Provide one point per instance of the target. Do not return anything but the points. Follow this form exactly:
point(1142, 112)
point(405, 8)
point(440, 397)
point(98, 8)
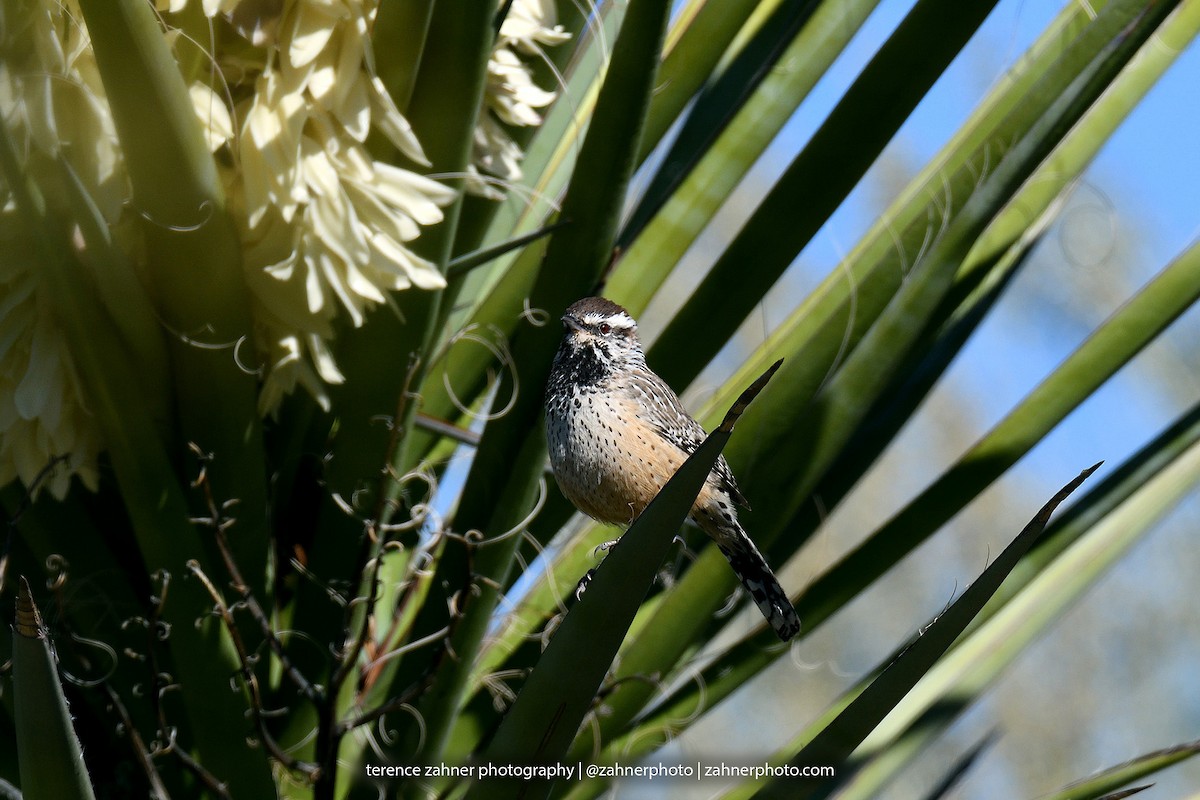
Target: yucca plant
point(281, 283)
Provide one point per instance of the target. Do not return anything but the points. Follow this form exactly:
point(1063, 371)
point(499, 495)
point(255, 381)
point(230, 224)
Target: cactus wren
point(617, 433)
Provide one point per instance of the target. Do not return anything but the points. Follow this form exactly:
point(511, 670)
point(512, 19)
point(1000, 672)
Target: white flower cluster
point(512, 98)
point(324, 226)
point(287, 105)
point(52, 101)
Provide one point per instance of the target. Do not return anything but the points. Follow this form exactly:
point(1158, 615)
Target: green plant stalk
point(551, 68)
point(400, 32)
point(548, 163)
point(157, 509)
point(551, 156)
point(446, 100)
point(123, 296)
point(50, 756)
point(385, 359)
point(447, 126)
point(443, 116)
point(193, 263)
point(491, 560)
point(376, 357)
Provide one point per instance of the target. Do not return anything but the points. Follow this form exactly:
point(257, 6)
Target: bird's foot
point(604, 547)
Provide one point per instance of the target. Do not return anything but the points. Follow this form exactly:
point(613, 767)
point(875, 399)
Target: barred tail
point(752, 570)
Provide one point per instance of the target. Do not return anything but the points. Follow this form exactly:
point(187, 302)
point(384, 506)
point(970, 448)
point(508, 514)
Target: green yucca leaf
point(834, 742)
point(715, 105)
point(697, 41)
point(51, 759)
point(977, 660)
point(835, 315)
point(1104, 784)
point(1011, 234)
point(1003, 636)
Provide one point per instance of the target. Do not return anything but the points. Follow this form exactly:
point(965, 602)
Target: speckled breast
point(605, 459)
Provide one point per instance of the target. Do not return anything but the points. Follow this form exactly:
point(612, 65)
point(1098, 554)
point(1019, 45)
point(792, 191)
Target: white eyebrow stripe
point(618, 320)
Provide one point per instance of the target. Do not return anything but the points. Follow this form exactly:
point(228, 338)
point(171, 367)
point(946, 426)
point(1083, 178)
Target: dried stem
point(250, 680)
point(219, 523)
point(157, 789)
point(329, 733)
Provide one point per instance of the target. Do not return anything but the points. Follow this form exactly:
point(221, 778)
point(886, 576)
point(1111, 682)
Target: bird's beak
point(569, 322)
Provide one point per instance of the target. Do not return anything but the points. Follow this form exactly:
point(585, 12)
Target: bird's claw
point(583, 583)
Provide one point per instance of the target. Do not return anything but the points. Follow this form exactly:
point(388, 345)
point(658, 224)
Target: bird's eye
point(605, 328)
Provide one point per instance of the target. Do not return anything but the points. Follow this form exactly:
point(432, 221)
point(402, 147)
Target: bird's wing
point(663, 411)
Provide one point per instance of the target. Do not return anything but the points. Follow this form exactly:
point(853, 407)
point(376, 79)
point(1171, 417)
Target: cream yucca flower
point(286, 109)
point(511, 97)
point(53, 105)
point(324, 225)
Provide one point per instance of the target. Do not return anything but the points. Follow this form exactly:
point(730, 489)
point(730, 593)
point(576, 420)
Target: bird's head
point(603, 327)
